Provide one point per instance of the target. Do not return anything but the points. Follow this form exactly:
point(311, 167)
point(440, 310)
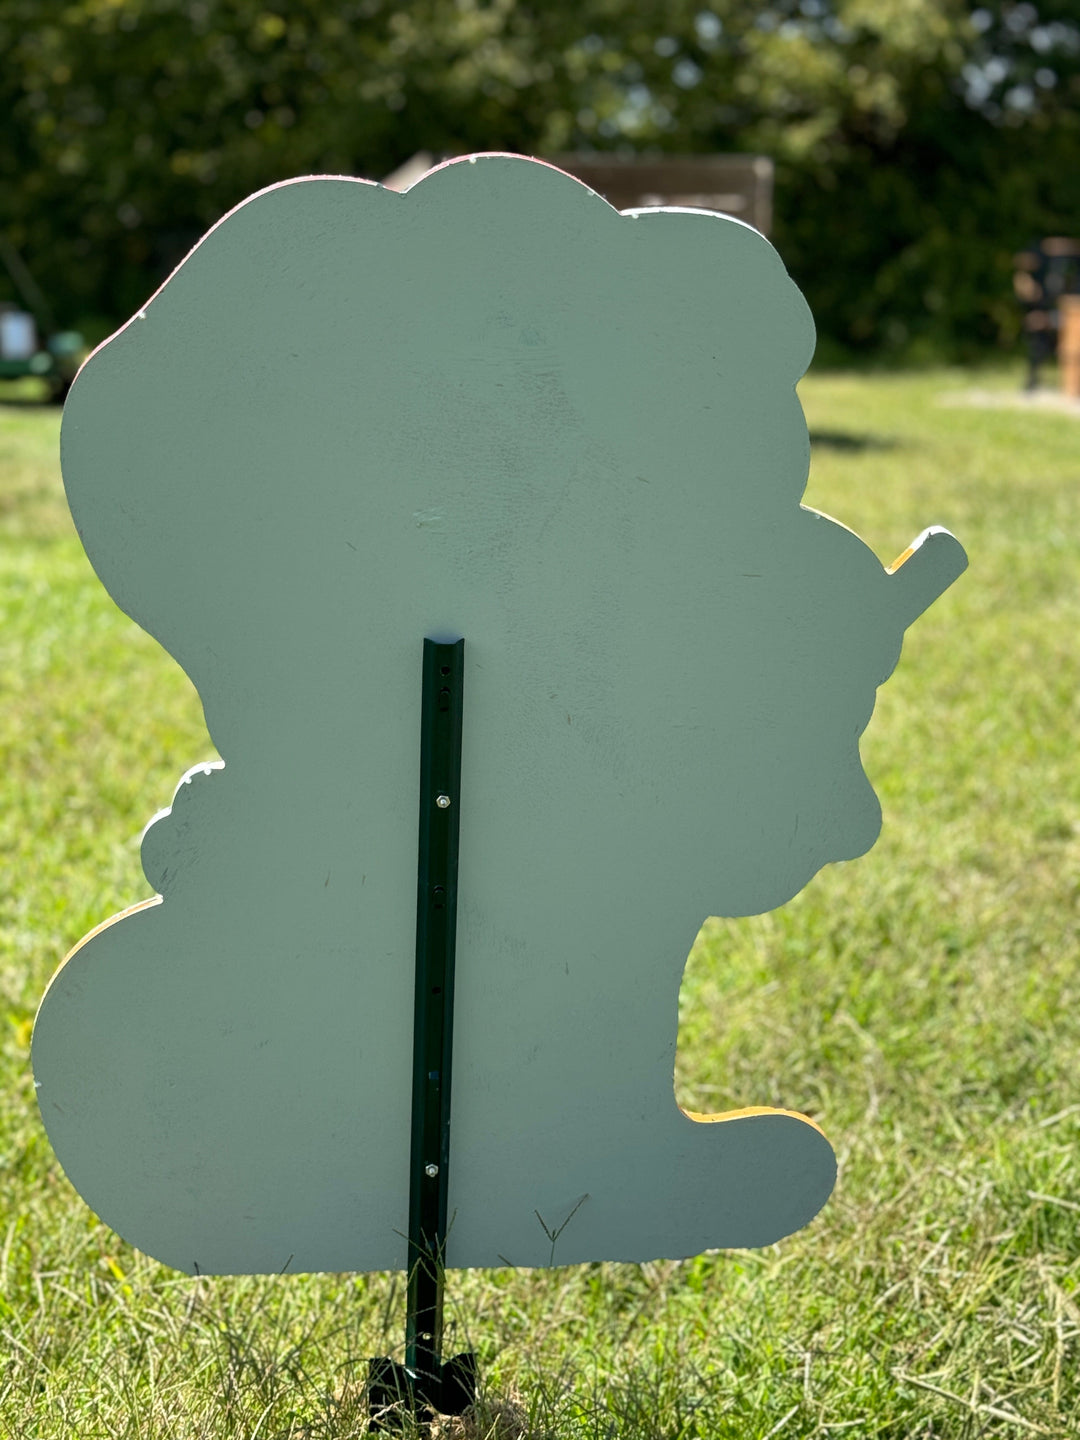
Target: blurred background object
point(739, 185)
point(414, 169)
point(916, 147)
point(1069, 345)
point(30, 343)
point(1046, 277)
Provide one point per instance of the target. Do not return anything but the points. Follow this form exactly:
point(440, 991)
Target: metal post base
point(394, 1391)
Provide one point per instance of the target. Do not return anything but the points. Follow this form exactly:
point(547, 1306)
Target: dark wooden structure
point(1046, 280)
point(738, 185)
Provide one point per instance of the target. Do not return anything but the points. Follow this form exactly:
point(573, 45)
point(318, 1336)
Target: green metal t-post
point(436, 919)
point(424, 1382)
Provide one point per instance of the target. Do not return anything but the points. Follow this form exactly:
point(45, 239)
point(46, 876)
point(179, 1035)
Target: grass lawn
point(923, 1003)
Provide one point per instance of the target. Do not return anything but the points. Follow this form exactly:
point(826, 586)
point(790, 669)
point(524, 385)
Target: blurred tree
point(918, 142)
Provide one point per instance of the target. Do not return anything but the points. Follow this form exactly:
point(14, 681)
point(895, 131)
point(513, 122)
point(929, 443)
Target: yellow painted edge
point(112, 920)
point(700, 1119)
point(900, 559)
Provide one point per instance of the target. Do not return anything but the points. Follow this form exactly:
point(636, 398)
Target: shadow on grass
point(844, 440)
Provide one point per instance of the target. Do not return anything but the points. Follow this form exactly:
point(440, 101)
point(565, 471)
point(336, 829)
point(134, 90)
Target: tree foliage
point(918, 142)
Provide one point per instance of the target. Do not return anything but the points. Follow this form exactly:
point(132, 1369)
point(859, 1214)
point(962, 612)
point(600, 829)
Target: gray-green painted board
point(490, 407)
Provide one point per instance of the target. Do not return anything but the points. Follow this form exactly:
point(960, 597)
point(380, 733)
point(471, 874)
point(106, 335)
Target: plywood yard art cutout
point(494, 408)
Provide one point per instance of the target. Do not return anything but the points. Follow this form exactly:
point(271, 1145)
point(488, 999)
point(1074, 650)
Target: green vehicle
point(30, 343)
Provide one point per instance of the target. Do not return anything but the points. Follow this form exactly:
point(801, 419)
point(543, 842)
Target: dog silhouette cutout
point(491, 407)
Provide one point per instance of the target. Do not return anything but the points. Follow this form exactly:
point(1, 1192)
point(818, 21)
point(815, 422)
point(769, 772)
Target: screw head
point(443, 802)
point(431, 1171)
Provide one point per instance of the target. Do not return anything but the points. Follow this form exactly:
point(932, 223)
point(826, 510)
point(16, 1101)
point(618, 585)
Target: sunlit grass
point(921, 1003)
